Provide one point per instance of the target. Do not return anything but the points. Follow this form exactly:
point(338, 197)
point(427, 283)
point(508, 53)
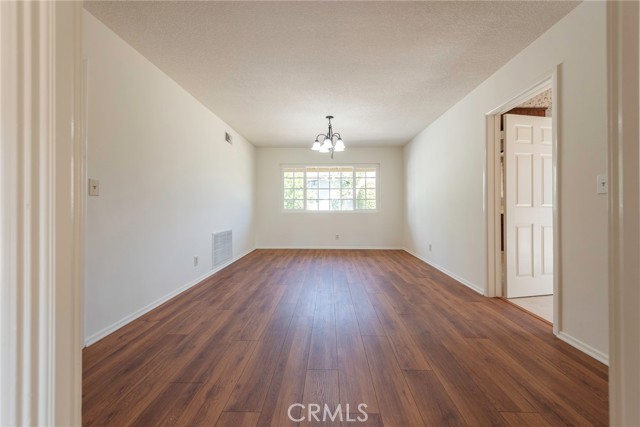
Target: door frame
point(623, 53)
point(41, 214)
point(492, 185)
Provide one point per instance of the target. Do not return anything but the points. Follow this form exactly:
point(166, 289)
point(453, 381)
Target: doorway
point(527, 227)
point(522, 202)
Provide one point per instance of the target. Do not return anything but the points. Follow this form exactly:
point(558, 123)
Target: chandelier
point(329, 143)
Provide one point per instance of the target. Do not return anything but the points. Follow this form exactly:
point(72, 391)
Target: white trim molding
point(352, 248)
point(40, 214)
point(465, 282)
point(133, 316)
point(624, 215)
point(585, 348)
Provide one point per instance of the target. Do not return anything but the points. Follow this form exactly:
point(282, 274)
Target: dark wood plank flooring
point(326, 327)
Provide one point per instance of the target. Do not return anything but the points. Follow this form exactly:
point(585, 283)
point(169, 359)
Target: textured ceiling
point(273, 70)
point(541, 100)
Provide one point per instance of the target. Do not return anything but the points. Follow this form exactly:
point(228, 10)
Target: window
point(294, 188)
point(330, 188)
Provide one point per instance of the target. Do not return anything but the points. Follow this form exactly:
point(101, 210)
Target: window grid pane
point(294, 188)
point(329, 188)
point(366, 188)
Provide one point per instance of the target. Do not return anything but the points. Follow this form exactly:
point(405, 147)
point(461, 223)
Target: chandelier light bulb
point(339, 145)
point(316, 146)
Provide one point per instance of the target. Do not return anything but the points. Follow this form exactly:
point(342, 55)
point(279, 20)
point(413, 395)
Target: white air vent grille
point(222, 247)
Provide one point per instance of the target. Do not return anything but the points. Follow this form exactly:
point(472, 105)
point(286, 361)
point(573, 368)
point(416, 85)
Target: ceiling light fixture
point(329, 143)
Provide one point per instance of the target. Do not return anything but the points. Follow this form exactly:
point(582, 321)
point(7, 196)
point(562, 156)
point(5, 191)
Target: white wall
point(277, 229)
point(445, 166)
point(168, 180)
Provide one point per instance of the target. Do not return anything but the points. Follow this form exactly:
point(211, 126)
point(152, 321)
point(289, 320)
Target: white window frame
point(286, 166)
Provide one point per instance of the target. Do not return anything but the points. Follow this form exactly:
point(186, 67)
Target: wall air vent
point(222, 247)
point(227, 137)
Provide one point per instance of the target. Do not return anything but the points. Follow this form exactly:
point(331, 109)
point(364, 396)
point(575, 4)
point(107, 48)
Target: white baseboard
point(465, 282)
point(585, 348)
point(574, 342)
point(378, 248)
point(133, 316)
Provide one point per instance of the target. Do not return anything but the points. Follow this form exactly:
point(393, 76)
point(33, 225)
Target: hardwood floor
point(324, 327)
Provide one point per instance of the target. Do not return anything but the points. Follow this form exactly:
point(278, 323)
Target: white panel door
point(528, 206)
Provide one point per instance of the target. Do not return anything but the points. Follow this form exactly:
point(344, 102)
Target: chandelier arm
point(332, 138)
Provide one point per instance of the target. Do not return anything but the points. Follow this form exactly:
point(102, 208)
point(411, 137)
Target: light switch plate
point(603, 184)
point(94, 187)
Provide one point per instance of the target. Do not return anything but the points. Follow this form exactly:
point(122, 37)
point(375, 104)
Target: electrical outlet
point(337, 237)
point(195, 261)
point(429, 247)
